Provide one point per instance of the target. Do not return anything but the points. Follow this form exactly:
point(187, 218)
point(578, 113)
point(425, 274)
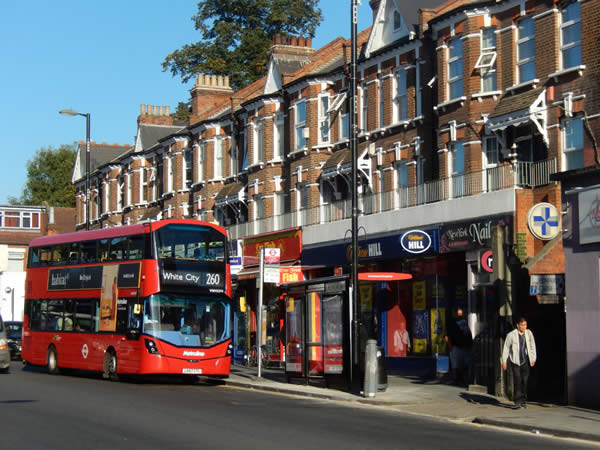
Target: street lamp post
point(355, 351)
point(70, 112)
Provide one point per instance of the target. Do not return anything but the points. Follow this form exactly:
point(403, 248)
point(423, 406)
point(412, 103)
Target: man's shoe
point(516, 406)
point(524, 405)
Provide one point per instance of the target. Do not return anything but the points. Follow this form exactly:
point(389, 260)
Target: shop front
point(289, 242)
point(407, 318)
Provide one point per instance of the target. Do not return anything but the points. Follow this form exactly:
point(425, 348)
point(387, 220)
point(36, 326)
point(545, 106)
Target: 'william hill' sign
point(415, 241)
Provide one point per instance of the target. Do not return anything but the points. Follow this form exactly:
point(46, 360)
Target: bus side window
point(136, 247)
point(68, 323)
point(103, 250)
point(45, 255)
point(83, 316)
point(88, 252)
point(35, 314)
point(60, 254)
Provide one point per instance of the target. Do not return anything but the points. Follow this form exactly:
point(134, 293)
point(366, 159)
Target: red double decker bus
point(150, 298)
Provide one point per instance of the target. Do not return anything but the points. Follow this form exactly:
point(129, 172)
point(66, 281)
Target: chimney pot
point(160, 110)
point(142, 109)
point(167, 111)
point(309, 42)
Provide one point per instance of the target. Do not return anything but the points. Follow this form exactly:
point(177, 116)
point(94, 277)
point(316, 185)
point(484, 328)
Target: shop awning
point(515, 110)
point(340, 163)
point(230, 193)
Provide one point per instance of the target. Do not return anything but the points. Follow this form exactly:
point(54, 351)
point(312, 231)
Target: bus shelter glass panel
point(314, 343)
point(294, 335)
point(333, 345)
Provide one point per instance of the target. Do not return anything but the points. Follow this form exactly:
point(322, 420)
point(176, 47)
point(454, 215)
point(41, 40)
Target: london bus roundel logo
point(84, 351)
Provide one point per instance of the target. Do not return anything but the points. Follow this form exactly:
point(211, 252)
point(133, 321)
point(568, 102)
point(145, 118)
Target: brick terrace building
point(462, 119)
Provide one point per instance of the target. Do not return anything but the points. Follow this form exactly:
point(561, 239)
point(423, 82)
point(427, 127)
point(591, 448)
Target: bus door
point(128, 329)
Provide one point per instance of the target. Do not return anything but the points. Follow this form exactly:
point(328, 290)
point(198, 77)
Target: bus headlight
point(3, 344)
point(229, 350)
point(151, 346)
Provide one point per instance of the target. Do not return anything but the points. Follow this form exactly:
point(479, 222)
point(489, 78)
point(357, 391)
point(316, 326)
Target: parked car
point(4, 352)
point(13, 335)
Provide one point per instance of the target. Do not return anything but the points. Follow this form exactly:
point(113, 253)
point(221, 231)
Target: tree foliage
point(49, 178)
point(236, 34)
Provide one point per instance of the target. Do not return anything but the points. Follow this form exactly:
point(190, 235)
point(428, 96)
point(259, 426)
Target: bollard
point(370, 386)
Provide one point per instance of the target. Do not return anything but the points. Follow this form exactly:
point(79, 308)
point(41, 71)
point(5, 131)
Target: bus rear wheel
point(110, 366)
point(52, 361)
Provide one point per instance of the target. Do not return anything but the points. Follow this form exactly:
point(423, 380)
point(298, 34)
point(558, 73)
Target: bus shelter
point(317, 329)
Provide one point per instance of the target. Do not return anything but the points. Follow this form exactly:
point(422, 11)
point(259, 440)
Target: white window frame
point(564, 25)
point(382, 99)
point(188, 168)
point(521, 40)
point(257, 141)
point(324, 120)
point(170, 177)
point(218, 157)
point(400, 94)
point(457, 178)
point(344, 118)
point(299, 139)
point(571, 150)
point(489, 150)
point(201, 159)
point(454, 59)
point(279, 137)
point(144, 179)
point(486, 63)
point(233, 156)
point(364, 108)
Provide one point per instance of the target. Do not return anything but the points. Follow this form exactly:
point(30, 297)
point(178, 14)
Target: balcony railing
point(520, 174)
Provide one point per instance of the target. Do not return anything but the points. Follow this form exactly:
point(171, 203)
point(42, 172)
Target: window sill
point(556, 75)
point(299, 151)
point(528, 84)
point(480, 95)
point(448, 103)
point(258, 165)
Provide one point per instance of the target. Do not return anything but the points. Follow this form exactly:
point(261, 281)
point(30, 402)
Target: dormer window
point(397, 21)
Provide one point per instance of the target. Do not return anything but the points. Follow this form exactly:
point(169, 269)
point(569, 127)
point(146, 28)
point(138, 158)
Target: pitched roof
point(149, 134)
point(513, 103)
point(339, 158)
point(100, 154)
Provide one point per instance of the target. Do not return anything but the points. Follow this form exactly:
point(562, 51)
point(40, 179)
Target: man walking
point(460, 341)
point(519, 347)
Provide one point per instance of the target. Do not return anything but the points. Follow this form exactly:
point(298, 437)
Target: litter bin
point(382, 378)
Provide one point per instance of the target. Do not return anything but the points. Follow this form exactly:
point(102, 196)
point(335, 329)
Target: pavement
point(436, 398)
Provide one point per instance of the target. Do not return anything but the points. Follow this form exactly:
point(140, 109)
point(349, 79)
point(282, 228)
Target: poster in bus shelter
point(420, 331)
point(419, 296)
point(366, 298)
point(438, 330)
point(108, 298)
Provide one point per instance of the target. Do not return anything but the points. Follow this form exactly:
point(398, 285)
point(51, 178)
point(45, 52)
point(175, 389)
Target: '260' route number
point(213, 279)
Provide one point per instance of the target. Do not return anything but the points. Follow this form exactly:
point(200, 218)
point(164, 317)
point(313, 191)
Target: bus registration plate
point(192, 371)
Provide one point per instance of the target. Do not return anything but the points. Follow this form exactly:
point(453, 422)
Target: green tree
point(49, 178)
point(236, 34)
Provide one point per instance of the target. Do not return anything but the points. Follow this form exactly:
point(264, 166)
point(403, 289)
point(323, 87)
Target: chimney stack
point(209, 91)
point(156, 115)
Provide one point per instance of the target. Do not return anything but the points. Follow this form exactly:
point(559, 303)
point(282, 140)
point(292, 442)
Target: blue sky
point(98, 57)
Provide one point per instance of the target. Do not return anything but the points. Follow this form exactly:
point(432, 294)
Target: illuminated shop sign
point(415, 241)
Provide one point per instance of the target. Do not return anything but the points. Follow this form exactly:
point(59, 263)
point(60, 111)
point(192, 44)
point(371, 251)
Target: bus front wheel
point(110, 366)
point(52, 361)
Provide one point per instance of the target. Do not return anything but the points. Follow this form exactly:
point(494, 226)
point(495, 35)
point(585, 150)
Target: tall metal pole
point(353, 143)
point(87, 171)
point(259, 313)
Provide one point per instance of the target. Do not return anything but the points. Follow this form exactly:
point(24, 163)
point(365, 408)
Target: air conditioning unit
point(305, 132)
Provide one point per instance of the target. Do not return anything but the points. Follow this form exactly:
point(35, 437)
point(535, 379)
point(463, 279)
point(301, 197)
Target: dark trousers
point(520, 378)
